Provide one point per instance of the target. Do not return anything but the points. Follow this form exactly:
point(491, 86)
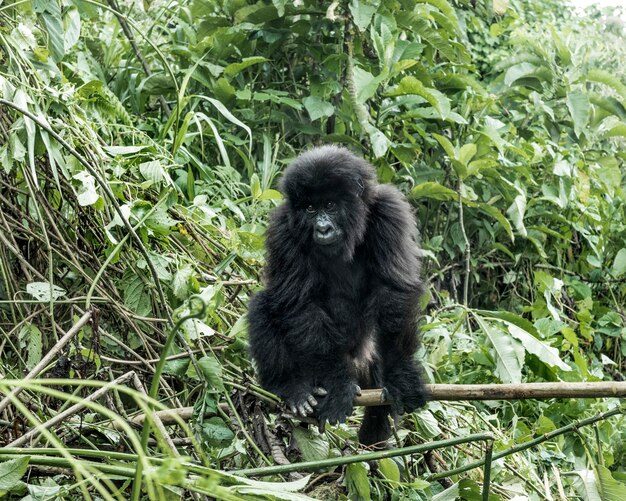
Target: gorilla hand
point(301, 401)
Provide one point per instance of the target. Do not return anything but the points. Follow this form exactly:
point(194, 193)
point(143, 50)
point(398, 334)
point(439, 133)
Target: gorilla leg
point(403, 386)
point(401, 378)
point(376, 428)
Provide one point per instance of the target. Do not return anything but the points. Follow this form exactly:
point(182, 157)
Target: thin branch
point(468, 252)
point(47, 358)
point(531, 443)
point(107, 191)
point(62, 416)
point(137, 51)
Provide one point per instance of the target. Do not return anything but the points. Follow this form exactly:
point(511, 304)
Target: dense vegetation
point(140, 145)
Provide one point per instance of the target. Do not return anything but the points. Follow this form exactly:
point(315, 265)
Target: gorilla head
point(329, 192)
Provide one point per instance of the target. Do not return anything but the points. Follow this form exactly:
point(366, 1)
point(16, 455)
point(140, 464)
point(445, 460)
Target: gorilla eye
point(310, 209)
point(330, 205)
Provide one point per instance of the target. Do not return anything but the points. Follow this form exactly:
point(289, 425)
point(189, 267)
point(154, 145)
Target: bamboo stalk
point(523, 391)
point(456, 392)
point(360, 458)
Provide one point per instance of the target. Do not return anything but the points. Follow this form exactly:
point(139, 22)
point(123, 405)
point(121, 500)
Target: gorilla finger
point(293, 409)
point(322, 426)
point(307, 408)
point(357, 389)
point(312, 400)
point(319, 392)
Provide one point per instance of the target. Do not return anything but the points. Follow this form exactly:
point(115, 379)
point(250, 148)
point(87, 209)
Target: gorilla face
point(329, 191)
point(324, 223)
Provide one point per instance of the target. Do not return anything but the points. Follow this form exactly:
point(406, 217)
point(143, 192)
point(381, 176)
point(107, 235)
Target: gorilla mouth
point(327, 238)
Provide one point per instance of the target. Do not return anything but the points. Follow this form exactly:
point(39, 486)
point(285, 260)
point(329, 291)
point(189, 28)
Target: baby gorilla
point(340, 305)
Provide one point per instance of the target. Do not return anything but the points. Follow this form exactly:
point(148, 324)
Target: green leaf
point(619, 264)
point(516, 212)
point(137, 297)
point(466, 153)
point(610, 489)
point(216, 433)
point(271, 195)
point(161, 265)
point(512, 318)
point(410, 85)
point(71, 25)
point(53, 22)
point(234, 68)
point(160, 221)
point(157, 84)
point(434, 191)
point(617, 130)
point(579, 109)
point(427, 424)
point(450, 494)
point(274, 490)
point(389, 469)
point(362, 12)
point(311, 444)
point(212, 371)
point(562, 48)
point(509, 352)
point(606, 78)
point(380, 143)
point(357, 482)
point(318, 108)
point(498, 216)
point(447, 10)
point(543, 351)
point(86, 192)
point(446, 145)
point(12, 471)
point(229, 116)
point(152, 171)
point(255, 186)
point(31, 336)
point(586, 486)
point(365, 84)
point(124, 150)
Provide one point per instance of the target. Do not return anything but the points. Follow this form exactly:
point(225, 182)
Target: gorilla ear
point(360, 185)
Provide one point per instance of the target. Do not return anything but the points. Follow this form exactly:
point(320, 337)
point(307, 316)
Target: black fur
point(325, 307)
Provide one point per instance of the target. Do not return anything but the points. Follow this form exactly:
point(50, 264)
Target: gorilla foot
point(403, 401)
point(338, 405)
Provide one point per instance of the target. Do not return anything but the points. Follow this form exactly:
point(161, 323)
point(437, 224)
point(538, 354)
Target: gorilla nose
point(323, 228)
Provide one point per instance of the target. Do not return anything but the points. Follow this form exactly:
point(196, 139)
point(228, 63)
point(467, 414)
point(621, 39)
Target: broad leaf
point(544, 352)
point(509, 352)
point(579, 109)
point(12, 471)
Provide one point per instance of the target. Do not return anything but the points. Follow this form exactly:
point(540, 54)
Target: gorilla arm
point(298, 357)
point(391, 244)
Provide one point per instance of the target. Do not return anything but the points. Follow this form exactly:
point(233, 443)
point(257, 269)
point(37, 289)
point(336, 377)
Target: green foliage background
point(504, 124)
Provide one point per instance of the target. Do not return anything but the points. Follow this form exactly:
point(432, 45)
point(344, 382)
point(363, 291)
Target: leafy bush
point(139, 149)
